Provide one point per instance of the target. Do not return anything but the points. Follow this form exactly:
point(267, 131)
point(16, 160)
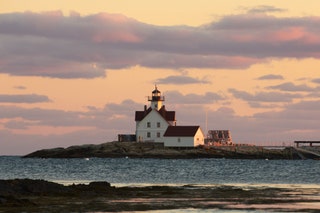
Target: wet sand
point(102, 197)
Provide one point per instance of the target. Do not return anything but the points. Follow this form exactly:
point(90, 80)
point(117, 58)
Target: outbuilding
point(183, 136)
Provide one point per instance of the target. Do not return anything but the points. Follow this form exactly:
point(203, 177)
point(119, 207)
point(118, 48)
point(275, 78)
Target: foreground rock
point(25, 195)
point(156, 150)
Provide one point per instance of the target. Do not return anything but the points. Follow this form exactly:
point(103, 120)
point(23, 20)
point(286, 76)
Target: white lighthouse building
point(156, 124)
point(152, 122)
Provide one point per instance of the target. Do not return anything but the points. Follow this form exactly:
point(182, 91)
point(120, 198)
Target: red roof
point(181, 131)
point(167, 115)
point(141, 114)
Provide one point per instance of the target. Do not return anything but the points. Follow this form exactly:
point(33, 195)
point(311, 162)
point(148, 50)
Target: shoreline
point(157, 150)
point(209, 185)
point(39, 196)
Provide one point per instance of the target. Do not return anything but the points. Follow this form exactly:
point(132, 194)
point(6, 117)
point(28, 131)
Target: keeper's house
point(156, 124)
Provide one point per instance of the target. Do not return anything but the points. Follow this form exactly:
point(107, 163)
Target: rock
point(26, 196)
point(19, 187)
point(27, 186)
point(157, 150)
point(93, 188)
point(11, 201)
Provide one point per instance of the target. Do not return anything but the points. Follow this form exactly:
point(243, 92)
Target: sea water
point(141, 172)
point(129, 171)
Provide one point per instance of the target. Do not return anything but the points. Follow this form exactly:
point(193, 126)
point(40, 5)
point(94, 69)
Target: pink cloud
point(289, 34)
point(112, 18)
point(294, 34)
point(238, 61)
point(115, 37)
point(53, 45)
point(113, 28)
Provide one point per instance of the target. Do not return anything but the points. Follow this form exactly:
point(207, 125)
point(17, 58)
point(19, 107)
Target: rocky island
point(157, 150)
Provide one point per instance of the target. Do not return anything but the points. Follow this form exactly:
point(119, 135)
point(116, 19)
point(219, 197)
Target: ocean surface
point(137, 172)
point(176, 172)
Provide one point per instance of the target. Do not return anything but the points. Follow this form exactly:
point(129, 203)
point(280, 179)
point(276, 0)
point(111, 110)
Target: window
point(158, 134)
point(158, 124)
point(148, 124)
point(148, 134)
point(179, 140)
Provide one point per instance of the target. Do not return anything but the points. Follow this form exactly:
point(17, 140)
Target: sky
point(74, 72)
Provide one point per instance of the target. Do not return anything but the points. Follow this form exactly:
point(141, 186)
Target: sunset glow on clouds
point(78, 78)
point(51, 44)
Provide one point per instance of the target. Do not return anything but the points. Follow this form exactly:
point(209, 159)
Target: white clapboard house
point(156, 124)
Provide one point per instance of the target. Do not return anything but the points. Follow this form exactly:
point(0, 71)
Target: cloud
point(264, 96)
point(53, 45)
point(299, 120)
point(265, 105)
point(20, 87)
point(29, 98)
point(27, 143)
point(317, 80)
point(275, 37)
point(176, 97)
point(264, 9)
point(179, 79)
point(35, 128)
point(38, 116)
point(13, 124)
point(296, 121)
point(270, 77)
point(310, 106)
point(111, 116)
point(290, 87)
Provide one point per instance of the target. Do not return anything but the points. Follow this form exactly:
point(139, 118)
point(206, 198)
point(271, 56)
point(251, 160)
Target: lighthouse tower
point(156, 99)
point(152, 122)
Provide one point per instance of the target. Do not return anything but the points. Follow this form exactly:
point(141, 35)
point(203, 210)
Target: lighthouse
point(156, 124)
point(156, 99)
point(152, 122)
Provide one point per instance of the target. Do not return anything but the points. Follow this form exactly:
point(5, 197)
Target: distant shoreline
point(155, 150)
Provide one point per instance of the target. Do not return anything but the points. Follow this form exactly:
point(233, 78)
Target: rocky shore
point(157, 150)
point(26, 195)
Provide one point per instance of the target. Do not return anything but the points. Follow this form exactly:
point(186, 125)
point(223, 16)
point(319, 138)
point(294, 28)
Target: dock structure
point(306, 142)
